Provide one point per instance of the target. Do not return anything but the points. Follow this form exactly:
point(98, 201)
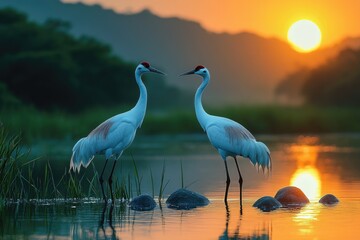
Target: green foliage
point(291, 85)
point(47, 67)
point(24, 179)
point(337, 82)
point(10, 174)
point(295, 119)
point(36, 125)
point(33, 180)
point(7, 100)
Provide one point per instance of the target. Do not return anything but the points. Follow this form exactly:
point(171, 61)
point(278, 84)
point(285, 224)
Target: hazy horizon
point(336, 19)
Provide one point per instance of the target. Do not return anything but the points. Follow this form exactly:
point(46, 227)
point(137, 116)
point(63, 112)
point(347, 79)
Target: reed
point(271, 119)
point(10, 166)
point(25, 179)
point(162, 185)
point(182, 174)
point(138, 179)
point(152, 183)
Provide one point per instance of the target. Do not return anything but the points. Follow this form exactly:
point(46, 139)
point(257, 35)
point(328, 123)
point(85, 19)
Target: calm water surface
point(316, 164)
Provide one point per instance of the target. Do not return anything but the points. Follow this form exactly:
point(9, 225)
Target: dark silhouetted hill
point(245, 67)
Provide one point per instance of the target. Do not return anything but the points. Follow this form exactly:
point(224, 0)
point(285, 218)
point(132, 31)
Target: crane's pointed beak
point(187, 73)
point(154, 70)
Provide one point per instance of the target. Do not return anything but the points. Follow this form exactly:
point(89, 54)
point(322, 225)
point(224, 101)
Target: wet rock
point(142, 203)
point(186, 199)
point(291, 197)
point(329, 199)
point(267, 204)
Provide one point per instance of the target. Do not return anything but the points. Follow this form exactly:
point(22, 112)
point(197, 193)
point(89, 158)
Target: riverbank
point(34, 124)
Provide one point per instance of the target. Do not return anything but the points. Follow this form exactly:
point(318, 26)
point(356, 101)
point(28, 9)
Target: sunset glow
point(308, 180)
point(336, 19)
point(304, 35)
point(307, 176)
point(138, 119)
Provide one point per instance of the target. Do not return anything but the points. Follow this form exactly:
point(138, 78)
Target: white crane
point(114, 135)
point(230, 138)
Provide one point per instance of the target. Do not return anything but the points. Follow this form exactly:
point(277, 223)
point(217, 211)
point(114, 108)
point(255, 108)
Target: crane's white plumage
point(114, 135)
point(227, 136)
point(110, 138)
point(230, 138)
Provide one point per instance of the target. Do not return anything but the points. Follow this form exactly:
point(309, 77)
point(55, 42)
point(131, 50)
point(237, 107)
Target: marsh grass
point(122, 190)
point(31, 180)
point(182, 179)
point(138, 179)
point(152, 183)
point(11, 174)
point(270, 119)
point(182, 174)
point(163, 184)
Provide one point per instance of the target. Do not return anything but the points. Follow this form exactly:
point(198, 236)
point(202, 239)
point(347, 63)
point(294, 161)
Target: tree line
point(43, 65)
point(334, 83)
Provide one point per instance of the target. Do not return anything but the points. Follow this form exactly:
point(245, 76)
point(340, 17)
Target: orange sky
point(336, 18)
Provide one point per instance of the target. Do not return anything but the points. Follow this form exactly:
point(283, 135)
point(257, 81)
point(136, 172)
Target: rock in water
point(328, 199)
point(142, 203)
point(291, 197)
point(186, 199)
point(267, 204)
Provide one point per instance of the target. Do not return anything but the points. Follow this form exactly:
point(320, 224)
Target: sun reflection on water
point(308, 180)
point(307, 176)
point(306, 218)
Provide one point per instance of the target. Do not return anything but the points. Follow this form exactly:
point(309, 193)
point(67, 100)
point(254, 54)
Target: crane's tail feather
point(81, 156)
point(258, 153)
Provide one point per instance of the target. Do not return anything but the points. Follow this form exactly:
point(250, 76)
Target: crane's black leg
point(240, 183)
point(102, 220)
point(110, 220)
point(227, 182)
point(111, 181)
point(101, 180)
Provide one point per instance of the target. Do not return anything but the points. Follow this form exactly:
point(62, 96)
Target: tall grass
point(137, 177)
point(152, 183)
point(27, 179)
point(182, 174)
point(11, 174)
point(259, 119)
point(162, 183)
point(294, 119)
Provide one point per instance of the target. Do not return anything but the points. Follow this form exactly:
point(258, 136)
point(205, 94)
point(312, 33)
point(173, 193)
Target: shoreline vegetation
point(34, 124)
point(31, 180)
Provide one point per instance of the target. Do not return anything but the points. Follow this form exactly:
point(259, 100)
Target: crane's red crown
point(145, 64)
point(199, 67)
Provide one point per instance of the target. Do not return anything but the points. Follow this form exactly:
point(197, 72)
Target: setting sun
point(304, 35)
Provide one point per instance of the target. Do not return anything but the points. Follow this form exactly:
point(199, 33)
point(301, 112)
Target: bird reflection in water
point(103, 228)
point(263, 234)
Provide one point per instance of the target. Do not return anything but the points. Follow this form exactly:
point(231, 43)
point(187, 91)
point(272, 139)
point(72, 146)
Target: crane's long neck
point(140, 108)
point(199, 109)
